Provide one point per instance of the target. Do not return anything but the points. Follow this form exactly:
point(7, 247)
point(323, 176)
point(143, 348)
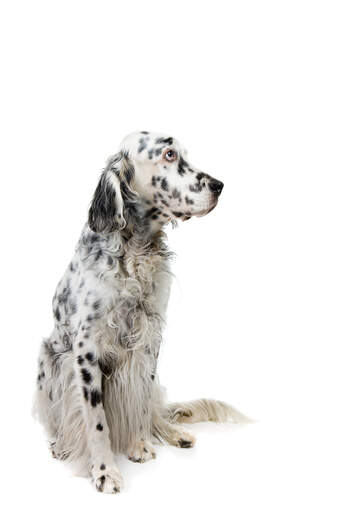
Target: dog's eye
point(170, 155)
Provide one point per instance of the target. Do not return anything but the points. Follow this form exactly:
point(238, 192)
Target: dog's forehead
point(138, 143)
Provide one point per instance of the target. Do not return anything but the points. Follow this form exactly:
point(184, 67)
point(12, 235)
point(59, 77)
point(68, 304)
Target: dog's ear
point(106, 212)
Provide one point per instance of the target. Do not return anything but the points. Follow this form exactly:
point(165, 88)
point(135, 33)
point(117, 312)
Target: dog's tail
point(204, 410)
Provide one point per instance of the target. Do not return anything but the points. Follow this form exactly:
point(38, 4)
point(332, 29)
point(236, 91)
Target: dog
point(98, 393)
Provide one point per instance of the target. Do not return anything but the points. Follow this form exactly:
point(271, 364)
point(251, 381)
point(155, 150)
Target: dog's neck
point(144, 223)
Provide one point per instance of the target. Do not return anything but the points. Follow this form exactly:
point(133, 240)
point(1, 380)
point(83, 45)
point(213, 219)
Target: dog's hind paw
point(141, 451)
point(183, 439)
point(56, 454)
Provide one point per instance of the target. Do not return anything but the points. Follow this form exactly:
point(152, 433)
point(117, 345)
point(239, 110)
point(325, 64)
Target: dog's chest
point(145, 290)
point(148, 279)
point(139, 302)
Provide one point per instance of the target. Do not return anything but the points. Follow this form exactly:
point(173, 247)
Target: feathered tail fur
point(204, 410)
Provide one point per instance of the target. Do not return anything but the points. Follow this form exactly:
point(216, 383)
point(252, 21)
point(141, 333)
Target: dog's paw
point(53, 450)
point(56, 454)
point(180, 415)
point(183, 439)
point(108, 480)
point(141, 451)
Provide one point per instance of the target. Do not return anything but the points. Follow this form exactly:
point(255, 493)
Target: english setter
point(97, 390)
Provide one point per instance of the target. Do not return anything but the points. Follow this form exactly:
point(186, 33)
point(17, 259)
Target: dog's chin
point(202, 213)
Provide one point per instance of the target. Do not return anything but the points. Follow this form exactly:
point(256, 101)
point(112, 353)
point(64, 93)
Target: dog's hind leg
point(163, 430)
point(48, 391)
point(204, 410)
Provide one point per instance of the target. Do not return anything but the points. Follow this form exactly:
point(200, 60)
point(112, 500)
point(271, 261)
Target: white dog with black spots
point(97, 389)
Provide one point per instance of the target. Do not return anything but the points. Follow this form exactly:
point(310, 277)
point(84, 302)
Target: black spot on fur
point(177, 214)
point(164, 184)
point(80, 360)
point(73, 307)
point(94, 238)
point(64, 296)
point(98, 255)
point(150, 154)
point(85, 393)
point(145, 133)
point(110, 260)
point(96, 304)
point(57, 314)
point(181, 166)
point(99, 427)
point(80, 344)
point(90, 357)
point(163, 140)
point(151, 211)
point(96, 397)
point(143, 144)
point(188, 200)
point(86, 375)
point(102, 467)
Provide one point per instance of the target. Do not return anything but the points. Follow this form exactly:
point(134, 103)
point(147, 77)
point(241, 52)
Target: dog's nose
point(216, 186)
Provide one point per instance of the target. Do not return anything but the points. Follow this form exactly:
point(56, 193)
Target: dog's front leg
point(140, 447)
point(103, 468)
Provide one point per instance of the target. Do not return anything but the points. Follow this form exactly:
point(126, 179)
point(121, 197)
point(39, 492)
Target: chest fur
point(138, 305)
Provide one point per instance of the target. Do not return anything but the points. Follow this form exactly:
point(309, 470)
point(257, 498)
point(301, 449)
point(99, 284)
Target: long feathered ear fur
point(106, 212)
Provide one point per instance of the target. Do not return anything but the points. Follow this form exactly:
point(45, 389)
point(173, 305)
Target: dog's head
point(151, 178)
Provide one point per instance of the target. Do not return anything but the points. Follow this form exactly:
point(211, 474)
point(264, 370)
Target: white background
point(252, 88)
